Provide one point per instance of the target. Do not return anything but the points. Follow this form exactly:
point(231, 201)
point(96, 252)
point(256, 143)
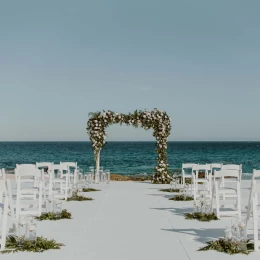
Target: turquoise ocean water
point(132, 157)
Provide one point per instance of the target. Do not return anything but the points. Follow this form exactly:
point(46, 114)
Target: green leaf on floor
point(229, 246)
point(181, 197)
point(89, 189)
point(201, 216)
point(170, 190)
point(51, 216)
point(78, 198)
point(14, 244)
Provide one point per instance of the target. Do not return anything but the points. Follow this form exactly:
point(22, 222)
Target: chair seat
point(227, 190)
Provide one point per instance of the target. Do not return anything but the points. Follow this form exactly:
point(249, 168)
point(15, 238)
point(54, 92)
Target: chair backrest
point(231, 167)
point(215, 166)
point(72, 165)
point(256, 174)
point(201, 167)
point(187, 166)
point(61, 168)
point(43, 164)
point(28, 173)
point(227, 173)
point(33, 177)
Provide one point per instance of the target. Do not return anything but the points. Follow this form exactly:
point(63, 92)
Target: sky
point(197, 60)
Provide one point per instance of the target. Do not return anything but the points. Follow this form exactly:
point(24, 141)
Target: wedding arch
point(158, 120)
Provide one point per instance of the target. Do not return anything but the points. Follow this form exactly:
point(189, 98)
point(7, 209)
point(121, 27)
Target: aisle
point(127, 226)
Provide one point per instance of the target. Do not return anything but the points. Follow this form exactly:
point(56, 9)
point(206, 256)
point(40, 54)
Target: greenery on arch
point(158, 120)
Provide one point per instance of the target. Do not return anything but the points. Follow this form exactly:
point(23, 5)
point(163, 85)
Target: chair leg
point(238, 200)
point(217, 202)
point(255, 222)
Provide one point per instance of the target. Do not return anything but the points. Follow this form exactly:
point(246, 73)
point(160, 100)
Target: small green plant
point(89, 189)
point(41, 244)
point(51, 216)
point(228, 246)
point(76, 197)
point(181, 197)
point(170, 190)
point(201, 216)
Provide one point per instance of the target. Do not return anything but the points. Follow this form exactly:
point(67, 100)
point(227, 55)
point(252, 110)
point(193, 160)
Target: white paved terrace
point(131, 221)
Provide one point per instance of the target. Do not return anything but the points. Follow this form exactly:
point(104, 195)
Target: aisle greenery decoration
point(158, 120)
point(89, 189)
point(182, 197)
point(228, 246)
point(204, 217)
point(13, 245)
point(170, 190)
point(76, 197)
point(51, 216)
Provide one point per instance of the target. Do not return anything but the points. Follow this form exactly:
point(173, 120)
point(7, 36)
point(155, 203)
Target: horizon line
point(69, 141)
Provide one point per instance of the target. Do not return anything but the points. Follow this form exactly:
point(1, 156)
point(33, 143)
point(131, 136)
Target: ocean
point(129, 158)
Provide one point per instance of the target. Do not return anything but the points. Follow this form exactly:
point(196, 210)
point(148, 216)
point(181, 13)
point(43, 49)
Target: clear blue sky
point(197, 60)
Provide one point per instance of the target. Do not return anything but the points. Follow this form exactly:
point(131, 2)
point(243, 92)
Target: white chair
point(3, 213)
point(74, 176)
point(227, 191)
point(29, 168)
point(2, 174)
point(201, 184)
point(253, 208)
point(60, 186)
point(29, 181)
point(47, 182)
point(185, 167)
point(233, 167)
point(215, 166)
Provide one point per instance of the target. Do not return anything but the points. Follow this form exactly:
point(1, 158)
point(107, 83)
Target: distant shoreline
point(130, 141)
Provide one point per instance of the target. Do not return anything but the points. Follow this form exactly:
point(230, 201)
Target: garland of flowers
point(158, 120)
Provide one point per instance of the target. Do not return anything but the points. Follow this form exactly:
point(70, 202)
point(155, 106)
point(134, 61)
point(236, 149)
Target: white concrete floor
point(131, 221)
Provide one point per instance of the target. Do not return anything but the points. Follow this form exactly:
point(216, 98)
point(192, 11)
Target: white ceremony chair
point(184, 168)
point(205, 183)
point(232, 167)
point(74, 176)
point(47, 181)
point(227, 192)
point(2, 174)
point(29, 190)
point(3, 214)
point(253, 208)
point(60, 184)
point(215, 167)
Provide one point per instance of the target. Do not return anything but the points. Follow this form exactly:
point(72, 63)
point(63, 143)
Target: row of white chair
point(33, 186)
point(253, 209)
point(220, 182)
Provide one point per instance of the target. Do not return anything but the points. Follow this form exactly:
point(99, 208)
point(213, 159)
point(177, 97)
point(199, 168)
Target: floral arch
point(158, 120)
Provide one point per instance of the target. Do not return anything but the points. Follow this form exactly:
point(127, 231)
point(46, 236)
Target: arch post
point(97, 176)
